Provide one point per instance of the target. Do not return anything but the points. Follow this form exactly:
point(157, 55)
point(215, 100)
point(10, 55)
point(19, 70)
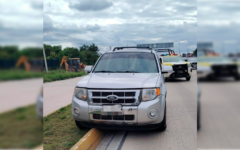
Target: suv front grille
point(124, 97)
point(108, 117)
point(119, 94)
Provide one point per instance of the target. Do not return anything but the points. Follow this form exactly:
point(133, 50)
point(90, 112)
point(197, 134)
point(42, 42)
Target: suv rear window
point(127, 62)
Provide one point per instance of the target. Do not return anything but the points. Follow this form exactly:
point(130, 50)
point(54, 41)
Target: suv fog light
point(152, 113)
point(76, 111)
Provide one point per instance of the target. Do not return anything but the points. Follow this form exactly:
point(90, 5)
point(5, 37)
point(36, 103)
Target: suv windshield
point(172, 59)
point(127, 62)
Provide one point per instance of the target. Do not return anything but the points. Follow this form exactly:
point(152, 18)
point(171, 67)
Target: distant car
point(88, 69)
point(175, 67)
point(192, 61)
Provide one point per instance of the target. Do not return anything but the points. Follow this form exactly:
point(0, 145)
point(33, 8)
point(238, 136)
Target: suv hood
point(119, 80)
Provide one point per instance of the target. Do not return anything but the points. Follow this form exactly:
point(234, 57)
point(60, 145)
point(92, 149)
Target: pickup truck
point(125, 90)
point(175, 67)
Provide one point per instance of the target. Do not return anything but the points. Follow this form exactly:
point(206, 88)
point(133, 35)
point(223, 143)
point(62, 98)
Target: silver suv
point(124, 90)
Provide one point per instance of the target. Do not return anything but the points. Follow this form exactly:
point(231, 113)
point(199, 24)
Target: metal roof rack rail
point(166, 50)
point(120, 48)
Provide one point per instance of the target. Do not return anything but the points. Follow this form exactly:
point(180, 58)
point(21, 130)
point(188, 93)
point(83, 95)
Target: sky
point(21, 23)
point(218, 22)
point(72, 23)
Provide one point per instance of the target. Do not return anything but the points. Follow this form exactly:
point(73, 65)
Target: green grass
point(20, 128)
point(17, 74)
point(54, 75)
point(60, 131)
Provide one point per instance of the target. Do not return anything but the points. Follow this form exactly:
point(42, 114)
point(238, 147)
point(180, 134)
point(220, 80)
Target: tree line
point(195, 52)
point(14, 52)
point(88, 54)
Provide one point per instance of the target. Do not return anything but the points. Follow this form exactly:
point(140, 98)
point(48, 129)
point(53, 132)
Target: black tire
point(188, 78)
point(166, 79)
point(78, 124)
point(163, 124)
point(237, 77)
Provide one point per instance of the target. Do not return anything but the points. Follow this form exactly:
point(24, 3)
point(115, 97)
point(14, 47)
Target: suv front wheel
point(163, 124)
point(78, 124)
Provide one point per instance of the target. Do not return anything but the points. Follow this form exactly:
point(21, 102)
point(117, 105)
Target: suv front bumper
point(140, 112)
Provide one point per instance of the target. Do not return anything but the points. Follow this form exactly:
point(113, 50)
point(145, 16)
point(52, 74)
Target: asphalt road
point(220, 121)
point(58, 94)
point(19, 93)
point(181, 132)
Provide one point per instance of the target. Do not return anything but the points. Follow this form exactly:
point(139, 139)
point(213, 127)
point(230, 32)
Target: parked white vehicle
point(88, 69)
point(125, 90)
point(175, 67)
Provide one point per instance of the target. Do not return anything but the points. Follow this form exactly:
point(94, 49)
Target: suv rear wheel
point(188, 78)
point(237, 77)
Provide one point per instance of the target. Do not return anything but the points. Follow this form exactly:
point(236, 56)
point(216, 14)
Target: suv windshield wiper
point(129, 71)
point(105, 71)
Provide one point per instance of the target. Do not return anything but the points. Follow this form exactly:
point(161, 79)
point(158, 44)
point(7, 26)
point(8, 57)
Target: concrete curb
point(52, 112)
point(90, 140)
point(55, 111)
point(40, 147)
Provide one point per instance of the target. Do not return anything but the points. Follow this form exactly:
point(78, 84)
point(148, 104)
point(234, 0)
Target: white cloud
point(120, 23)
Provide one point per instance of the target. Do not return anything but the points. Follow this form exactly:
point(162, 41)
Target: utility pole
point(44, 56)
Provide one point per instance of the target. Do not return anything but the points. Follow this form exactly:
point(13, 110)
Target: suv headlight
point(80, 93)
point(150, 94)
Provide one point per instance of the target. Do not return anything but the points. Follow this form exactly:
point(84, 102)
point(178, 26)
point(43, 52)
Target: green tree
point(195, 52)
point(52, 55)
point(71, 52)
point(49, 49)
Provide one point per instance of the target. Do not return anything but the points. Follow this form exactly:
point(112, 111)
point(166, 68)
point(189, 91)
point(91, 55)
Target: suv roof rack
point(120, 48)
point(166, 50)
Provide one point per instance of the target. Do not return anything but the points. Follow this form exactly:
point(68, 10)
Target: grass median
point(60, 131)
point(17, 74)
point(54, 75)
point(20, 128)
